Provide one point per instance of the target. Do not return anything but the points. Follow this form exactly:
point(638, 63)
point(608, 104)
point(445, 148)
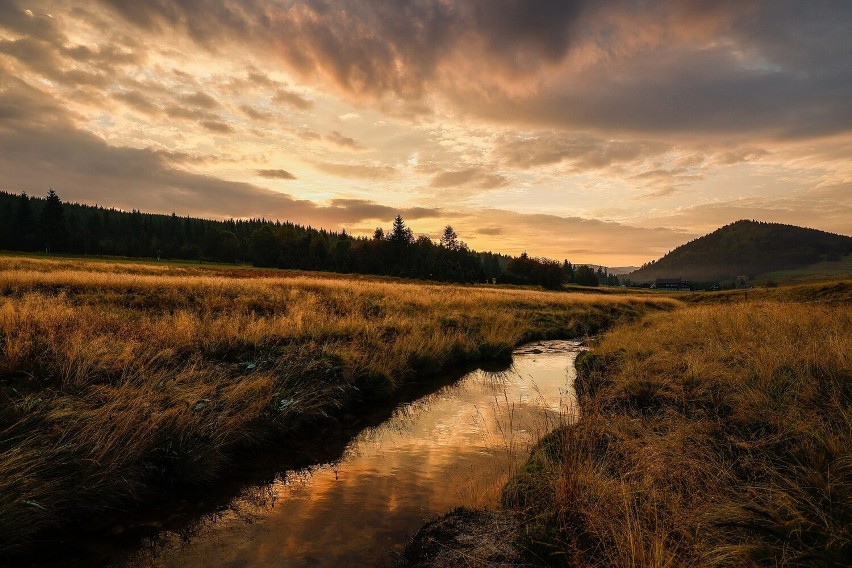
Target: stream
point(456, 446)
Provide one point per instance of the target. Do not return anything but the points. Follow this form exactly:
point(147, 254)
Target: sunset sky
point(606, 132)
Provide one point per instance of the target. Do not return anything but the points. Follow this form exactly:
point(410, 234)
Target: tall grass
point(712, 436)
point(119, 380)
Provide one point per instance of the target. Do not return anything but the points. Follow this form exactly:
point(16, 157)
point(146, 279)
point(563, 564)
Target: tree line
point(49, 225)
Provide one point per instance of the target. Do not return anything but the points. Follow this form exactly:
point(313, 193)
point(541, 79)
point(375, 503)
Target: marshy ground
point(120, 381)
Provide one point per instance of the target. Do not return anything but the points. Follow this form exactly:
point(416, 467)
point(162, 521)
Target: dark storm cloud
point(373, 47)
point(675, 66)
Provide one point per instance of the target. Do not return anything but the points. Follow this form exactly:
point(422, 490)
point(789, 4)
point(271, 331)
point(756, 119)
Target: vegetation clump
point(717, 435)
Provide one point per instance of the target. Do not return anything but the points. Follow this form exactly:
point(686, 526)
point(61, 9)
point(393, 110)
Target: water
point(454, 447)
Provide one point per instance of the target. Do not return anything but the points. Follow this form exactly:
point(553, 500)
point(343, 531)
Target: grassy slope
point(117, 377)
point(715, 435)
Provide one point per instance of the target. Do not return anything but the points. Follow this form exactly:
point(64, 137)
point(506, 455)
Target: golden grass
point(712, 436)
point(119, 378)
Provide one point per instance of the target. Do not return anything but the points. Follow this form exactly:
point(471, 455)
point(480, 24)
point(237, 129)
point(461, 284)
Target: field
point(119, 380)
point(716, 435)
point(821, 271)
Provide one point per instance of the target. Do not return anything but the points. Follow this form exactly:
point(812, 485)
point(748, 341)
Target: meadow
point(120, 381)
point(716, 435)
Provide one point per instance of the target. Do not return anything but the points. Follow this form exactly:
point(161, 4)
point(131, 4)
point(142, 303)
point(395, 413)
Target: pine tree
point(53, 228)
point(24, 224)
point(449, 239)
point(400, 233)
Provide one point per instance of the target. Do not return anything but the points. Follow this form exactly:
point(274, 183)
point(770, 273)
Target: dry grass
point(118, 378)
point(714, 436)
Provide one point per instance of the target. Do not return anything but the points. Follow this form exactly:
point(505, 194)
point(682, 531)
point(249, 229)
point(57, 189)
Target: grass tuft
point(716, 435)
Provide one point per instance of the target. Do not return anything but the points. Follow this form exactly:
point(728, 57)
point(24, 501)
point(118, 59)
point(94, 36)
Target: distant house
point(671, 284)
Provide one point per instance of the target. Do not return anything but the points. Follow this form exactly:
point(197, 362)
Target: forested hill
point(48, 224)
point(745, 248)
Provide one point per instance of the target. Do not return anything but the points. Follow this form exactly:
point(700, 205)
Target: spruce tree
point(53, 229)
point(400, 233)
point(449, 239)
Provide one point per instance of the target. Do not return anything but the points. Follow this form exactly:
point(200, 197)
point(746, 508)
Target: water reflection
point(456, 446)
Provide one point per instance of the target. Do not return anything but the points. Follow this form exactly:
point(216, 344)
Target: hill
point(747, 248)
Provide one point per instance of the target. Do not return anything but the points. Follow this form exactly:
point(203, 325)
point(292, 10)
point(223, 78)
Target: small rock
point(464, 537)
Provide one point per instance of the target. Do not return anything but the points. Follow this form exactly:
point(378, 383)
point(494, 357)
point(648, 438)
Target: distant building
point(671, 284)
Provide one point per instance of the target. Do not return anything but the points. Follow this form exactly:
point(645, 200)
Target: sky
point(599, 131)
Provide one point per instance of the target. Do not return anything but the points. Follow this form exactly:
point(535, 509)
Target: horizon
point(619, 270)
point(602, 133)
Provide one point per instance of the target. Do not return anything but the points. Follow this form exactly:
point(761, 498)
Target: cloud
point(308, 134)
point(339, 139)
point(813, 208)
point(83, 167)
point(199, 99)
point(582, 152)
point(217, 126)
point(363, 171)
point(275, 174)
point(256, 114)
point(560, 237)
point(740, 155)
point(365, 209)
point(138, 101)
point(287, 97)
point(674, 66)
point(478, 177)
